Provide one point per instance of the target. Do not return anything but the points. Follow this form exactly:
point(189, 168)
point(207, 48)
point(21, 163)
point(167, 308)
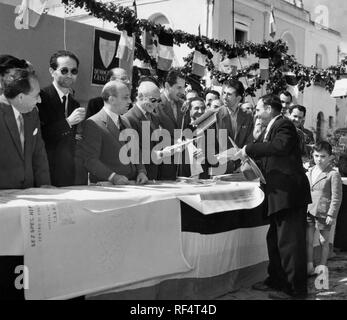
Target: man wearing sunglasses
point(143, 118)
point(60, 114)
point(96, 104)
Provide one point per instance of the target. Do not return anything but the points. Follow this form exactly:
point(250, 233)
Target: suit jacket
point(167, 121)
point(326, 193)
point(136, 119)
point(100, 149)
point(59, 138)
point(242, 134)
point(18, 170)
point(94, 106)
point(286, 183)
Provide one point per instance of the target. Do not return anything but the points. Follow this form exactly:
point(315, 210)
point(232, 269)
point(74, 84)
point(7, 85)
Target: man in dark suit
point(23, 159)
point(287, 193)
point(172, 117)
point(96, 104)
point(142, 117)
point(60, 114)
point(237, 123)
point(103, 148)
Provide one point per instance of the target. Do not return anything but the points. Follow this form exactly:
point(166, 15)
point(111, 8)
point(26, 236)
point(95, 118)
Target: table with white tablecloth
point(158, 241)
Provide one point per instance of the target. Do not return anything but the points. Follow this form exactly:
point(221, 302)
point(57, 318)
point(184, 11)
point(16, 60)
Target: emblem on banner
point(107, 50)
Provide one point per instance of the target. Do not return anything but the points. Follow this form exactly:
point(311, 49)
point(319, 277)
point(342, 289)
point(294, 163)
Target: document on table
point(241, 196)
point(70, 251)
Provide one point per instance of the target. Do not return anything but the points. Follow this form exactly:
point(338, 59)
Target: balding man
point(95, 104)
point(142, 117)
point(101, 146)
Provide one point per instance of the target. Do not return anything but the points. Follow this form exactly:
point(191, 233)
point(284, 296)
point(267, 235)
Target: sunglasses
point(154, 100)
point(65, 71)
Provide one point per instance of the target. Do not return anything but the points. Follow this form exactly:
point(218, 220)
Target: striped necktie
point(21, 130)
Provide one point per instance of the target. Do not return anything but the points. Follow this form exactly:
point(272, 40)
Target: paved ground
point(337, 284)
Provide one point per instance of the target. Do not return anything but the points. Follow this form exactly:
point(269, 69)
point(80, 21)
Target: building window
point(240, 35)
point(331, 122)
point(319, 60)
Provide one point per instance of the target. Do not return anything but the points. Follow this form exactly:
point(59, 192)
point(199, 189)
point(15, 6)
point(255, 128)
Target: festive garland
point(280, 62)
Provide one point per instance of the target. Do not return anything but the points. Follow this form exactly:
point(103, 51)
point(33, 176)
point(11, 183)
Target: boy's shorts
point(317, 222)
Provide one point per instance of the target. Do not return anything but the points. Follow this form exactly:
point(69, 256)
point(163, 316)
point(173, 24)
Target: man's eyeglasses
point(65, 71)
point(154, 100)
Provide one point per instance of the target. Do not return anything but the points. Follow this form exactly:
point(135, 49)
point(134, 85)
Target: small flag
point(165, 51)
point(199, 63)
point(29, 13)
point(125, 51)
point(143, 67)
point(149, 43)
point(272, 23)
point(264, 68)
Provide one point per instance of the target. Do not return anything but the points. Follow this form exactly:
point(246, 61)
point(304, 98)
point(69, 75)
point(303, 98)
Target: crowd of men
point(48, 139)
point(82, 144)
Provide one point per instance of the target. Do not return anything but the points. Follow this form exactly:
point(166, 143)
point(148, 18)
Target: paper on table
point(242, 196)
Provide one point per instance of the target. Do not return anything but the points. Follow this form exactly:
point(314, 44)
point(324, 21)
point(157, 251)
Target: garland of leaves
point(280, 62)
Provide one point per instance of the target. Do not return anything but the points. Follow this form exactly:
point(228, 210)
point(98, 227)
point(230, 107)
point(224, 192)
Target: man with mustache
point(60, 114)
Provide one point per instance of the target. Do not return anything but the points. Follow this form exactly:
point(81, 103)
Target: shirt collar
point(113, 116)
point(141, 109)
point(233, 113)
point(270, 124)
point(16, 112)
point(60, 93)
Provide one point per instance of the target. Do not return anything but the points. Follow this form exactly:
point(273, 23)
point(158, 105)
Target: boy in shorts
point(326, 193)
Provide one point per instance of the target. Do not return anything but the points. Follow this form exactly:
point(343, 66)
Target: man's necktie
point(64, 104)
point(150, 117)
point(21, 130)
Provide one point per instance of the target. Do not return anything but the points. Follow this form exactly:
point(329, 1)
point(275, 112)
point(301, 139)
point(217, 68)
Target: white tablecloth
point(80, 240)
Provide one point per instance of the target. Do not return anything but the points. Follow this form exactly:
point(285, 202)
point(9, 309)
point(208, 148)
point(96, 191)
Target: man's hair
point(53, 62)
point(287, 94)
point(149, 79)
point(273, 101)
point(214, 92)
point(8, 62)
point(195, 99)
point(299, 107)
point(18, 82)
point(237, 85)
point(172, 76)
point(323, 146)
point(111, 88)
